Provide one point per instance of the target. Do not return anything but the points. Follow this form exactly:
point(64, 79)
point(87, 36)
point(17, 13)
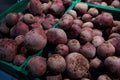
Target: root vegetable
point(112, 66)
point(36, 7)
point(37, 66)
point(56, 36)
point(11, 19)
point(86, 35)
point(86, 17)
point(87, 24)
point(62, 49)
point(35, 39)
point(4, 29)
point(93, 12)
point(105, 50)
point(73, 13)
point(101, 20)
point(78, 22)
point(56, 63)
point(48, 22)
point(57, 8)
point(19, 60)
point(8, 49)
point(67, 3)
point(19, 39)
point(116, 4)
point(35, 25)
point(104, 4)
point(97, 32)
point(97, 41)
point(66, 22)
point(96, 63)
point(88, 50)
point(77, 65)
point(54, 77)
point(81, 8)
point(74, 45)
point(113, 35)
point(19, 29)
point(28, 18)
point(104, 77)
point(74, 31)
point(85, 79)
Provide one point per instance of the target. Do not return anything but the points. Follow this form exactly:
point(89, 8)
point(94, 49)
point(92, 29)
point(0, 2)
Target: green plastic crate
point(20, 72)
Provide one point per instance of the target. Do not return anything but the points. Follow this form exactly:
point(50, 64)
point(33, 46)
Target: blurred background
point(5, 4)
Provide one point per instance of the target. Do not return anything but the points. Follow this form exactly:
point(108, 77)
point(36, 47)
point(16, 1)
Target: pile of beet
point(110, 3)
point(85, 46)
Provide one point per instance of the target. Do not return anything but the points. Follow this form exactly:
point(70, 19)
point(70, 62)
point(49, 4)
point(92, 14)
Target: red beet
point(96, 63)
point(62, 49)
point(86, 35)
point(73, 13)
point(19, 39)
point(19, 60)
point(81, 8)
point(8, 49)
point(86, 17)
point(4, 29)
point(105, 50)
point(28, 18)
point(37, 66)
point(56, 36)
point(93, 12)
point(48, 22)
point(112, 66)
point(87, 24)
point(56, 63)
point(36, 7)
point(74, 31)
point(77, 65)
point(74, 45)
point(66, 22)
point(54, 77)
point(101, 20)
point(104, 77)
point(35, 39)
point(35, 25)
point(19, 29)
point(88, 50)
point(11, 19)
point(57, 8)
point(97, 40)
point(67, 3)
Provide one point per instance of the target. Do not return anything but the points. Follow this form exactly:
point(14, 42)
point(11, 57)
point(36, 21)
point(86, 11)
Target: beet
point(101, 20)
point(56, 36)
point(19, 60)
point(8, 49)
point(36, 7)
point(57, 8)
point(74, 45)
point(105, 50)
point(19, 29)
point(35, 39)
point(88, 50)
point(112, 66)
point(62, 49)
point(56, 63)
point(28, 18)
point(11, 19)
point(77, 65)
point(37, 66)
